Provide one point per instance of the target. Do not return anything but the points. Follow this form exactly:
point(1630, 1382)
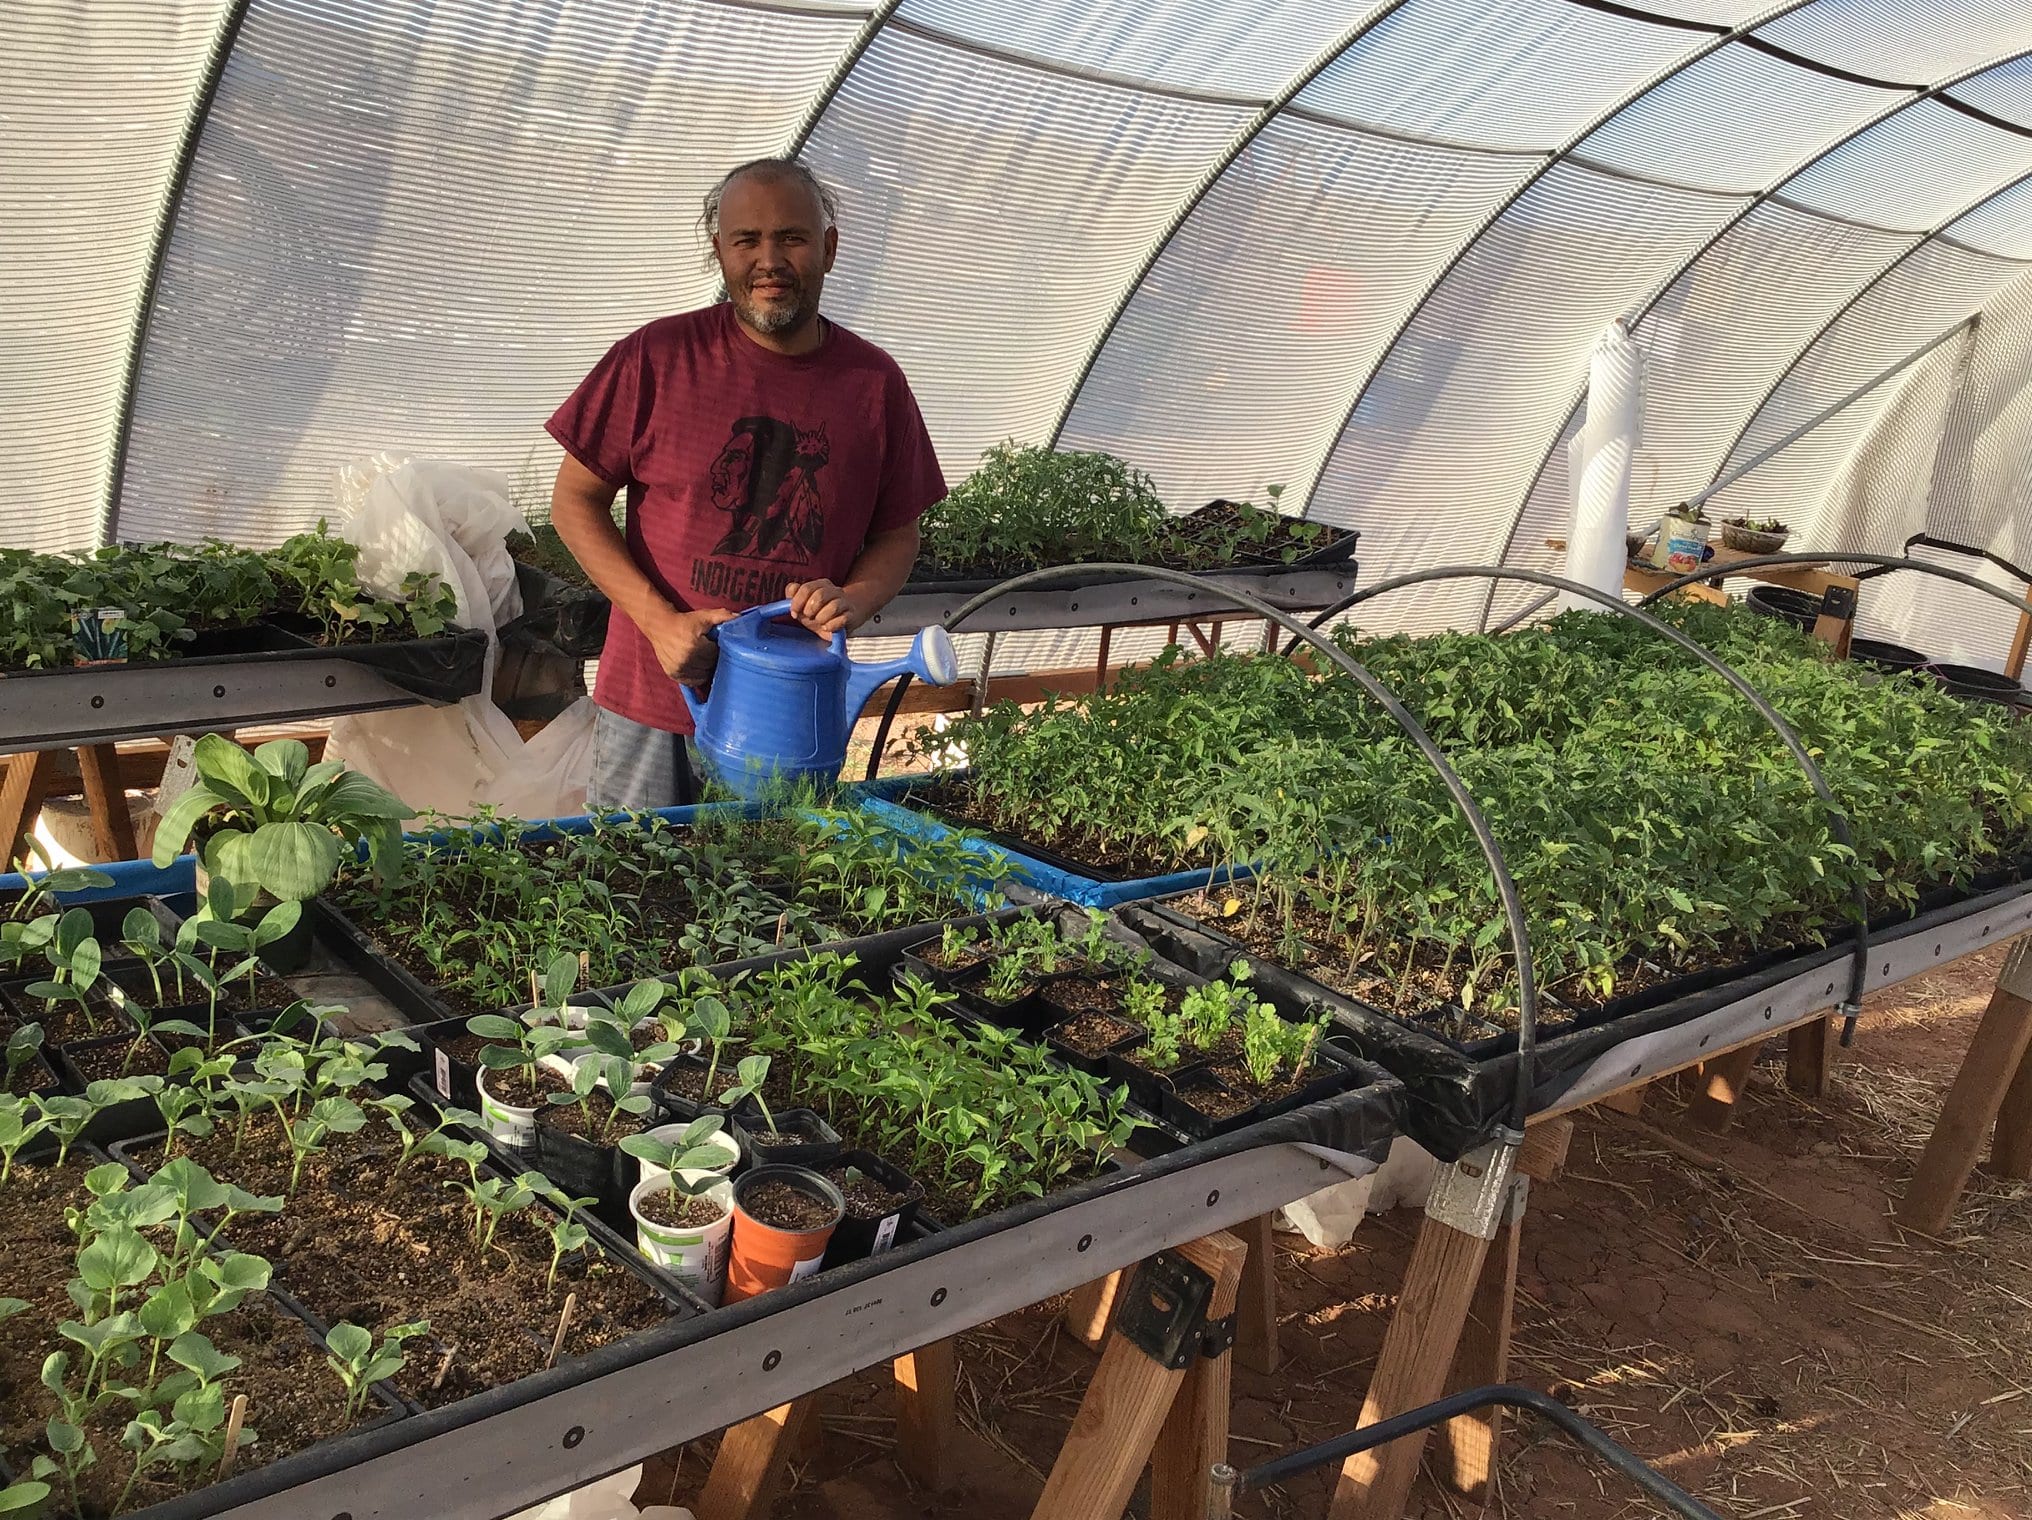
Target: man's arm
point(877, 575)
point(582, 511)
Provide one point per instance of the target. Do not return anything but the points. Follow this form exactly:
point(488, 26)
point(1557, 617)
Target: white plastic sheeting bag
point(1602, 458)
point(453, 521)
point(608, 1499)
point(1329, 1217)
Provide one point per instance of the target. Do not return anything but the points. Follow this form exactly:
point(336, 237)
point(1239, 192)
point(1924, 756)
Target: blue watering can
point(784, 701)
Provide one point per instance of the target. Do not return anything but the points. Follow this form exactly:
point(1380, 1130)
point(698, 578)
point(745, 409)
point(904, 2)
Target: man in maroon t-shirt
point(766, 452)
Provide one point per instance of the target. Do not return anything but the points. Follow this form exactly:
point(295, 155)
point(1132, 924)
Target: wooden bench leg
point(1629, 1101)
point(1975, 1102)
point(1128, 1406)
point(749, 1469)
point(1714, 1108)
point(2011, 1150)
point(1468, 1443)
point(927, 1424)
point(28, 778)
point(1418, 1349)
point(1086, 1317)
point(1256, 1311)
point(1809, 1056)
point(106, 800)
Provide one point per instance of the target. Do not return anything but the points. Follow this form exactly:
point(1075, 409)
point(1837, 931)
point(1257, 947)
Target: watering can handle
point(768, 610)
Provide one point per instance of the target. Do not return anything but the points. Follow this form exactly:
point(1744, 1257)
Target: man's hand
point(681, 643)
point(824, 608)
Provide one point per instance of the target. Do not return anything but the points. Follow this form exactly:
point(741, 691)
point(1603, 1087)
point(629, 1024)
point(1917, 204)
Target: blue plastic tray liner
point(1082, 890)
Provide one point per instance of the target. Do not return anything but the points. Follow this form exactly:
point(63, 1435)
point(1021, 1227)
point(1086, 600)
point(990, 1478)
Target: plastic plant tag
point(96, 637)
point(441, 1067)
point(806, 1268)
point(885, 1234)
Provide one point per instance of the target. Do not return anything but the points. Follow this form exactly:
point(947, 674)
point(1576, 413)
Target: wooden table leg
point(1195, 1433)
point(106, 799)
point(1256, 1310)
point(1974, 1103)
point(21, 792)
point(1425, 1332)
point(2011, 1149)
point(1127, 1407)
point(1086, 1317)
point(1724, 1079)
point(1469, 1442)
point(927, 1424)
point(1809, 1056)
point(753, 1457)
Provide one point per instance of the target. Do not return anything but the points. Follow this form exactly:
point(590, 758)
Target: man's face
point(774, 250)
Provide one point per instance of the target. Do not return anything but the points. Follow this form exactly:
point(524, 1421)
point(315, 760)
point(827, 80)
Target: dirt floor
point(1738, 1308)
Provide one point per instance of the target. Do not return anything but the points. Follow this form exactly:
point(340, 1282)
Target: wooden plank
point(2011, 1149)
point(1725, 1077)
point(1542, 1156)
point(1468, 1443)
point(22, 790)
point(1809, 1056)
point(927, 1423)
point(1988, 1072)
point(1125, 1410)
point(1418, 1353)
point(1256, 1309)
point(1628, 1100)
point(753, 1458)
point(1195, 1432)
point(2014, 662)
point(106, 799)
point(1086, 1317)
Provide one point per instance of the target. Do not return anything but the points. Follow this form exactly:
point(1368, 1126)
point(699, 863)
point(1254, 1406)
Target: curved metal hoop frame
point(1506, 886)
point(1838, 821)
point(1884, 562)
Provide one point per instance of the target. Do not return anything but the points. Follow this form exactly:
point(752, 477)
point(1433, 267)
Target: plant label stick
point(571, 1302)
point(234, 1420)
point(535, 990)
point(446, 1366)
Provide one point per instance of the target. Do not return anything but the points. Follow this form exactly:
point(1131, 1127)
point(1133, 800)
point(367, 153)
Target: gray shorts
point(638, 767)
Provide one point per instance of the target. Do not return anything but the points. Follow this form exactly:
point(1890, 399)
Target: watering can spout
point(931, 659)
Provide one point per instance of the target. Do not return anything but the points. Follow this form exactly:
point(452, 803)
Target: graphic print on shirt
point(766, 479)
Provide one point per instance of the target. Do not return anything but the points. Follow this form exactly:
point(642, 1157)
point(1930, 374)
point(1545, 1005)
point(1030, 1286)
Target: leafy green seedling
point(749, 1078)
point(359, 1363)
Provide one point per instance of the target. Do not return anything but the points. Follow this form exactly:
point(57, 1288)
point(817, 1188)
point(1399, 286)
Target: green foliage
point(276, 822)
point(163, 595)
point(1646, 811)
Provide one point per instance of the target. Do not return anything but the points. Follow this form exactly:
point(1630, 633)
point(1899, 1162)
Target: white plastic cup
point(508, 1124)
point(670, 1134)
point(695, 1255)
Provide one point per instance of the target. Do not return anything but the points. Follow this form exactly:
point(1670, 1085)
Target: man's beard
point(778, 317)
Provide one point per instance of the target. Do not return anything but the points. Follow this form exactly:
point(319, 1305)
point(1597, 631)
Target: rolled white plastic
point(1603, 452)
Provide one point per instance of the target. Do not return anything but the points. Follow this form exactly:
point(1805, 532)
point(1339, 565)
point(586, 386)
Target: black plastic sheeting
point(573, 619)
point(1456, 1100)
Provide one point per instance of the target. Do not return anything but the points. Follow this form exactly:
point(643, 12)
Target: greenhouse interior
point(853, 759)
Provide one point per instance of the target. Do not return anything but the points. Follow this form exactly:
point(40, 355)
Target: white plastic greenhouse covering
point(1359, 251)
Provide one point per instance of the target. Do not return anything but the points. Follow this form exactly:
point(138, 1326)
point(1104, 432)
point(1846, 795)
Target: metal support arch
point(1838, 820)
point(1718, 38)
point(1271, 110)
point(223, 43)
point(827, 92)
point(1227, 1481)
point(1925, 241)
point(1485, 839)
point(1763, 197)
point(1881, 564)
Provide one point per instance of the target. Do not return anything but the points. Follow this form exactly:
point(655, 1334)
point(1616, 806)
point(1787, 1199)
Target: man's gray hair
point(770, 169)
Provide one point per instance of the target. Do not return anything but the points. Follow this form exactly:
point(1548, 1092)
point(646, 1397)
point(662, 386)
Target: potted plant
point(578, 1129)
point(1682, 541)
point(783, 1218)
point(795, 1136)
point(276, 827)
point(683, 1209)
point(880, 1203)
point(518, 1050)
point(1754, 535)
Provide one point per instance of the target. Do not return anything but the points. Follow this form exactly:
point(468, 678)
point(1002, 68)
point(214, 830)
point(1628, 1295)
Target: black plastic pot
point(1788, 606)
point(854, 1238)
point(940, 977)
point(583, 1169)
point(1885, 655)
point(1978, 685)
point(36, 1076)
point(822, 1142)
point(116, 1121)
point(1177, 1105)
point(1146, 1087)
point(109, 913)
point(1027, 1013)
point(1093, 1065)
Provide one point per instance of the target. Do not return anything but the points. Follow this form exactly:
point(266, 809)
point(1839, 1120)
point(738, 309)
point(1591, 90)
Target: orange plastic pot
point(765, 1256)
